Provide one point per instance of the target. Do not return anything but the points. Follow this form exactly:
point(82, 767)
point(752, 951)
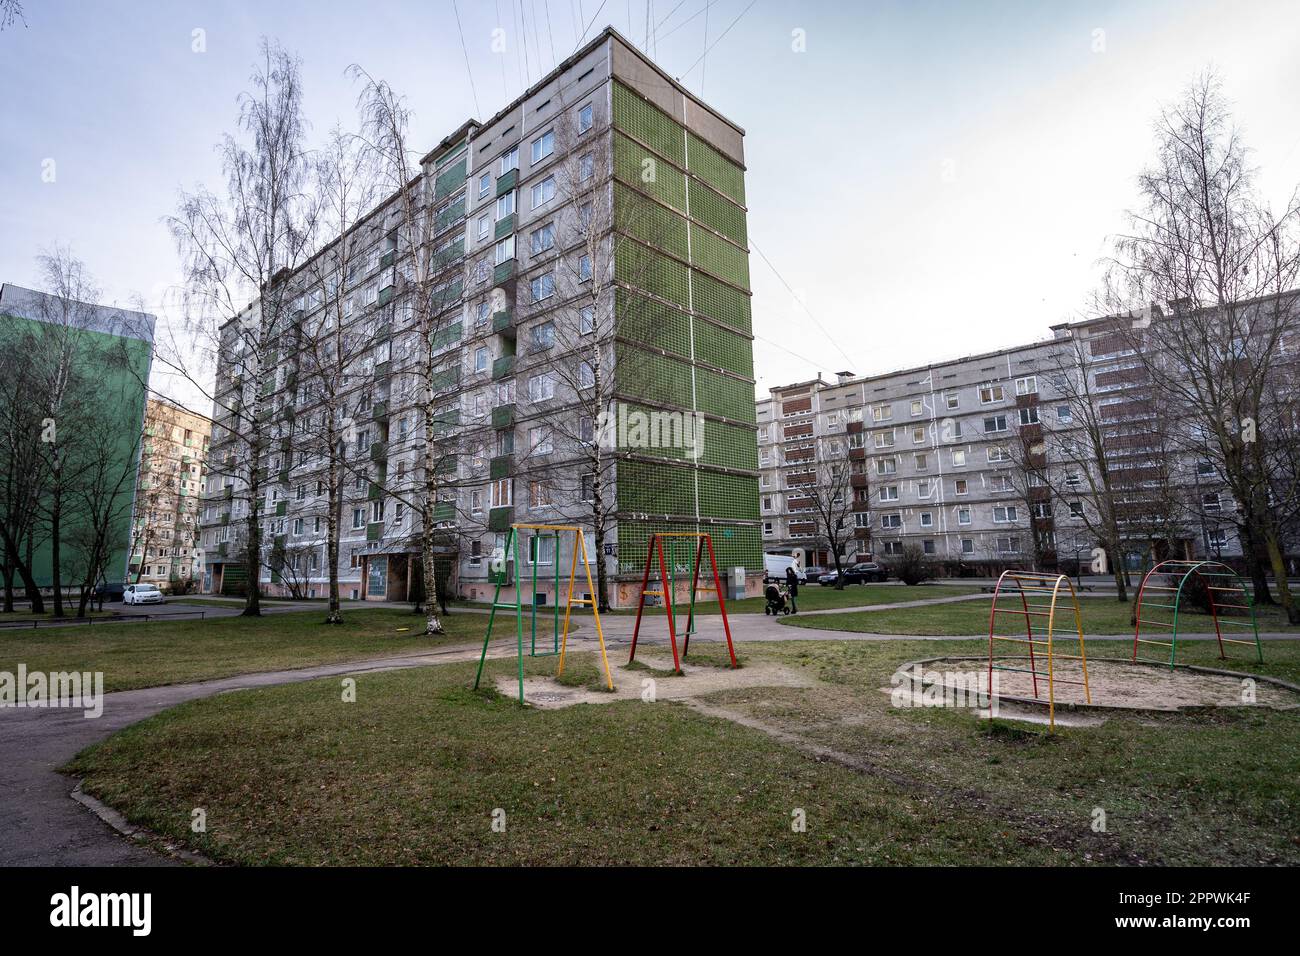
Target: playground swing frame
point(1036, 583)
point(1208, 572)
point(668, 586)
point(560, 636)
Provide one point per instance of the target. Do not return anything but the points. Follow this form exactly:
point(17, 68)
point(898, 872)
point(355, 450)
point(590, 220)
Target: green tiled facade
point(684, 341)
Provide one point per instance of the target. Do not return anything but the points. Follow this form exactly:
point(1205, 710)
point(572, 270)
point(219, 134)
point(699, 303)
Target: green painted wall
point(117, 396)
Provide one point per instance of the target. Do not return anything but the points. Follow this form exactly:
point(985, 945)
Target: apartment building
point(165, 540)
point(982, 462)
point(591, 250)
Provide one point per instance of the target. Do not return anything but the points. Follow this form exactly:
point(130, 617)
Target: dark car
point(859, 573)
point(110, 592)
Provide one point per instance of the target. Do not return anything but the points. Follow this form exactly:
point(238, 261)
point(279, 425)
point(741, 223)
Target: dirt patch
point(634, 684)
point(1123, 685)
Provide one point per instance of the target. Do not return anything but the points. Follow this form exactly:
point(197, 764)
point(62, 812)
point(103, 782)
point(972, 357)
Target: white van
point(774, 567)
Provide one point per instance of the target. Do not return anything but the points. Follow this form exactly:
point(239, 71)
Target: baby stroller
point(776, 600)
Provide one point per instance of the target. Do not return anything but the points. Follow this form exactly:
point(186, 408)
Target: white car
point(142, 594)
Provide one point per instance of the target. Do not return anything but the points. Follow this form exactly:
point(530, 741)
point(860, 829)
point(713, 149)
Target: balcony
point(281, 508)
point(379, 412)
point(379, 451)
point(504, 271)
point(503, 367)
point(500, 519)
point(501, 466)
point(503, 323)
point(857, 454)
point(375, 531)
point(507, 182)
point(503, 416)
point(857, 481)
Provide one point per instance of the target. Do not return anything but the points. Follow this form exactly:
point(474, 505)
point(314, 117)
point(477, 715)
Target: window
point(990, 394)
point(1205, 469)
point(885, 439)
point(995, 423)
point(584, 268)
point(1216, 539)
point(586, 320)
point(505, 250)
point(484, 309)
point(540, 440)
point(509, 160)
point(952, 400)
point(928, 546)
point(544, 239)
point(484, 185)
point(484, 227)
point(923, 489)
point(1003, 514)
point(297, 527)
point(1072, 478)
point(476, 553)
point(539, 496)
point(505, 205)
point(997, 454)
point(1001, 483)
point(918, 436)
point(476, 502)
point(889, 492)
point(1029, 416)
point(927, 519)
point(544, 191)
point(959, 459)
point(481, 360)
point(1064, 415)
point(1076, 509)
point(358, 518)
point(967, 545)
point(586, 166)
point(1009, 545)
point(544, 335)
point(893, 548)
point(587, 489)
point(586, 375)
point(543, 286)
point(584, 118)
point(886, 466)
point(502, 493)
point(882, 413)
point(543, 146)
point(963, 516)
point(1027, 385)
point(1210, 504)
point(891, 521)
point(377, 510)
point(541, 387)
point(960, 486)
point(918, 407)
point(922, 462)
point(1040, 509)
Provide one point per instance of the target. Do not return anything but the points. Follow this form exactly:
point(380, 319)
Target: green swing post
point(512, 542)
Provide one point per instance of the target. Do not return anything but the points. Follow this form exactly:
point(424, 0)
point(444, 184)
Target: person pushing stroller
point(792, 588)
point(776, 602)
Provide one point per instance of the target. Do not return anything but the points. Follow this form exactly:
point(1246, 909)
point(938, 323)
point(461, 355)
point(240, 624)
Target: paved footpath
point(41, 825)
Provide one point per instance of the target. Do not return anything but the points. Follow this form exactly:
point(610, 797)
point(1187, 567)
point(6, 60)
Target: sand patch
point(695, 681)
point(1124, 685)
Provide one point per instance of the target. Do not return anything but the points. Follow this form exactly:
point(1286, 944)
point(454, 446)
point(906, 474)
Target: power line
point(721, 35)
point(802, 304)
point(468, 69)
point(588, 26)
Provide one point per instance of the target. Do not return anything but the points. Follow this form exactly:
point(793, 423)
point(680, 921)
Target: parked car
point(110, 592)
point(859, 573)
point(142, 594)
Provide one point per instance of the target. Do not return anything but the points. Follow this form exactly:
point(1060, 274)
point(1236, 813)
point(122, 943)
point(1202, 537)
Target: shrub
point(913, 566)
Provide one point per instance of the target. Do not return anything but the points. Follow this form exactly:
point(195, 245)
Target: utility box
point(736, 584)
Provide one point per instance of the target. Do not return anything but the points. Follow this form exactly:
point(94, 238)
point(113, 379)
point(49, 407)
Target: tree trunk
point(56, 578)
point(428, 537)
point(8, 574)
point(333, 495)
point(1278, 562)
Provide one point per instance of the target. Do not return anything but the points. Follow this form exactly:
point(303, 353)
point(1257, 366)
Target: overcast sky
point(932, 179)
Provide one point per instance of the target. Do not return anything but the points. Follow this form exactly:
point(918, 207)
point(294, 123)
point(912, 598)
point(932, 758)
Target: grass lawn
point(1101, 615)
point(171, 652)
point(412, 772)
